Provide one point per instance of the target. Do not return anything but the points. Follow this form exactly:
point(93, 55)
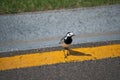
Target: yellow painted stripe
point(47, 58)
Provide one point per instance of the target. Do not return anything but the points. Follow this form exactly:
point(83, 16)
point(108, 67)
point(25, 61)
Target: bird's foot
point(66, 55)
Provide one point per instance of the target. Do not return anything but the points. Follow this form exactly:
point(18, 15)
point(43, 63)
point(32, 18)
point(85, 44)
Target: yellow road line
point(47, 58)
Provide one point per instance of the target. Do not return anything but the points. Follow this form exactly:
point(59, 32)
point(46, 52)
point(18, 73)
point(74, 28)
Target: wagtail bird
point(66, 41)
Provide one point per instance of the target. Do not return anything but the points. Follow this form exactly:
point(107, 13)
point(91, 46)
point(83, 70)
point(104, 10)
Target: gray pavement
point(44, 29)
point(48, 49)
point(106, 69)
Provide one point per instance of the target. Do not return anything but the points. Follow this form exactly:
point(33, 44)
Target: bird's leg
point(67, 52)
point(64, 53)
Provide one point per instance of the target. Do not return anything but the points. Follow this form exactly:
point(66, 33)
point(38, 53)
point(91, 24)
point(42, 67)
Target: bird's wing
point(62, 40)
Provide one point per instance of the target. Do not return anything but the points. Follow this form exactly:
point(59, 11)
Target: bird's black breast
point(68, 40)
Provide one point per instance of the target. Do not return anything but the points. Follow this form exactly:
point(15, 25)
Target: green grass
point(16, 6)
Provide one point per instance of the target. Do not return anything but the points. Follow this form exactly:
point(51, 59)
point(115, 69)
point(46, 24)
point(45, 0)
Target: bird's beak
point(73, 35)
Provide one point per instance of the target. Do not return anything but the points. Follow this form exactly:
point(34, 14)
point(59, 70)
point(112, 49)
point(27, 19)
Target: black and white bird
point(66, 41)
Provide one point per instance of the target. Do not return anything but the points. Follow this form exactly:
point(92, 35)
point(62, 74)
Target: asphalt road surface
point(44, 29)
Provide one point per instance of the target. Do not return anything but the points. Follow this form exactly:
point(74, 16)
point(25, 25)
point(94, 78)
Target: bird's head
point(70, 34)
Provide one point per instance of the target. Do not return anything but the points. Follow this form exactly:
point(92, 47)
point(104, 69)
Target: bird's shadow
point(77, 53)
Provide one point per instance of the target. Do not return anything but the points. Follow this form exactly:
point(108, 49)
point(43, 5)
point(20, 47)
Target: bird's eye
point(68, 34)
